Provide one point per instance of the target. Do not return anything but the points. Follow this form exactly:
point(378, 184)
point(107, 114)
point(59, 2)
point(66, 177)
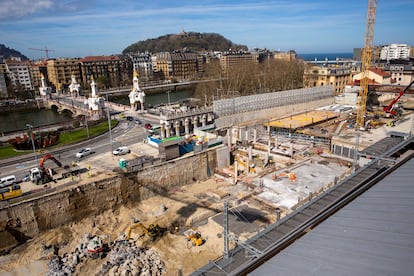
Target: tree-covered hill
point(6, 53)
point(190, 41)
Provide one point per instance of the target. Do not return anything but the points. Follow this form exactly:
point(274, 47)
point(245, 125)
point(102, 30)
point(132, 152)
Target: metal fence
point(270, 100)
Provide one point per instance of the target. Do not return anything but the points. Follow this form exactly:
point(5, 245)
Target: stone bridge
point(76, 106)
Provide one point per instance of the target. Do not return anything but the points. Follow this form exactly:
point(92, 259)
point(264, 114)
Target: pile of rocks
point(126, 258)
point(123, 258)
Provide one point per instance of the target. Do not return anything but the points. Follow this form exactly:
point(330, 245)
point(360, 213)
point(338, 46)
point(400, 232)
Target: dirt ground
point(168, 212)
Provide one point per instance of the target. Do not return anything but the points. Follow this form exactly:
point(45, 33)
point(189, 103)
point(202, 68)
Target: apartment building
point(315, 75)
point(375, 76)
point(230, 59)
point(395, 51)
point(108, 71)
point(19, 73)
point(400, 73)
point(37, 69)
point(289, 55)
point(142, 63)
point(59, 73)
point(3, 74)
point(179, 65)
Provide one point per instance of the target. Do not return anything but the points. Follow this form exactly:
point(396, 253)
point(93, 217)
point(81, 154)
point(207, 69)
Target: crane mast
point(366, 62)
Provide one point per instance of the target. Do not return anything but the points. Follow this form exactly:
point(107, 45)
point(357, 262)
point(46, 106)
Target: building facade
point(400, 73)
point(19, 74)
point(395, 51)
point(59, 73)
point(142, 63)
point(231, 59)
point(321, 75)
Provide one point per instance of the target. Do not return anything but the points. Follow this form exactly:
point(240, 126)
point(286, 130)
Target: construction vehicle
point(391, 108)
point(194, 237)
point(290, 175)
point(152, 231)
point(42, 175)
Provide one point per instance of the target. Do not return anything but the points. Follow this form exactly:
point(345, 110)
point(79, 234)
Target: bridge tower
point(136, 96)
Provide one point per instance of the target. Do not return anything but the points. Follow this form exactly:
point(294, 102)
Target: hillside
point(190, 41)
point(6, 53)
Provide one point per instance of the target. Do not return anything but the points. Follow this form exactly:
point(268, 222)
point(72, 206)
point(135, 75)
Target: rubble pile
point(126, 258)
point(123, 258)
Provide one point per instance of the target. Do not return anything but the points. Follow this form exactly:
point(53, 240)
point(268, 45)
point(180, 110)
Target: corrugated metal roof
point(373, 235)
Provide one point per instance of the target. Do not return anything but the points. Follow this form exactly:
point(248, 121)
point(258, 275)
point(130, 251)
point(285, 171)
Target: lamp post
point(33, 145)
point(109, 121)
point(168, 92)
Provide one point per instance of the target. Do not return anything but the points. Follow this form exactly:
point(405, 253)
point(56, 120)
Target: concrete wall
point(28, 218)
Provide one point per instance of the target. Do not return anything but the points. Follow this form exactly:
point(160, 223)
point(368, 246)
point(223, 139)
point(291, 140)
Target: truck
point(42, 175)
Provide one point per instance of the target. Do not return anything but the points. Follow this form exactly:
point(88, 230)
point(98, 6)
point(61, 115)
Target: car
point(26, 177)
point(84, 152)
point(121, 151)
point(138, 121)
point(130, 118)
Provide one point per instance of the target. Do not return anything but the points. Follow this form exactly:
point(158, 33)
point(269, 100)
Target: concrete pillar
point(177, 128)
point(254, 135)
point(204, 120)
point(162, 131)
point(167, 129)
point(277, 214)
point(246, 133)
point(196, 122)
point(187, 126)
point(229, 137)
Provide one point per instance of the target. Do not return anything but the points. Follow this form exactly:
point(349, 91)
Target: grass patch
point(65, 138)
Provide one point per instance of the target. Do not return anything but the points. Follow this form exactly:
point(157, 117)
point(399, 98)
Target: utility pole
point(33, 145)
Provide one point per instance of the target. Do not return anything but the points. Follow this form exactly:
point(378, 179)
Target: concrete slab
point(311, 176)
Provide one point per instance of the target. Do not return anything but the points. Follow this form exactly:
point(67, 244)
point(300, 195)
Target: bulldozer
point(152, 231)
point(194, 237)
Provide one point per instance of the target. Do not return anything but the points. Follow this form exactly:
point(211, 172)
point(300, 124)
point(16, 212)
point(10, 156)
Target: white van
point(121, 151)
point(7, 181)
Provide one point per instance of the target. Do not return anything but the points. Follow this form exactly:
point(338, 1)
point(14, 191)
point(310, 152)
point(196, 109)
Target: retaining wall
point(26, 219)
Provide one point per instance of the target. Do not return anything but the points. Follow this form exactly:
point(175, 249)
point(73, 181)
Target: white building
point(395, 51)
point(19, 73)
point(94, 102)
point(45, 91)
point(136, 96)
point(74, 87)
point(142, 63)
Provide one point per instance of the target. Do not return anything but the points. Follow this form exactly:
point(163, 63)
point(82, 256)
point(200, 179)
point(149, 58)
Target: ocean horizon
point(321, 57)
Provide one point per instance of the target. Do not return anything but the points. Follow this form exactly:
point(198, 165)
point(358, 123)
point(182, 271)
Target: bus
point(10, 192)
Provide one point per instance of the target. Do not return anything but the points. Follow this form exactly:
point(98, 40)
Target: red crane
point(390, 107)
point(46, 50)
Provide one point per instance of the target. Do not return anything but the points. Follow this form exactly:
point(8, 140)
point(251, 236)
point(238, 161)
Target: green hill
point(6, 53)
point(191, 41)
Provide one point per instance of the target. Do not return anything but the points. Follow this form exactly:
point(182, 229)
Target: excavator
point(41, 174)
point(152, 231)
point(194, 237)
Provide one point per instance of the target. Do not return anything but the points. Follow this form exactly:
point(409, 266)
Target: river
point(15, 121)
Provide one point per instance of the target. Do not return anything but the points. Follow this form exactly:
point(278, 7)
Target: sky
point(79, 28)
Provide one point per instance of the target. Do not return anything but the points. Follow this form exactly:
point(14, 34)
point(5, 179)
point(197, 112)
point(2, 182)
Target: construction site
point(280, 164)
point(175, 217)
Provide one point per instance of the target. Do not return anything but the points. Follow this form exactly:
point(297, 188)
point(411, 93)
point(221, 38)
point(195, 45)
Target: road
point(126, 133)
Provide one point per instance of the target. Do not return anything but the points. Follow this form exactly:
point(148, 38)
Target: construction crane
point(46, 50)
point(366, 63)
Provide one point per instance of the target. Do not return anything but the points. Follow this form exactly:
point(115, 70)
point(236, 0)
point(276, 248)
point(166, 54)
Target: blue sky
point(78, 28)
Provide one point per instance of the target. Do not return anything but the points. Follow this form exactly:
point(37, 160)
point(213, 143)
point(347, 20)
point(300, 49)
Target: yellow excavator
point(152, 231)
point(194, 237)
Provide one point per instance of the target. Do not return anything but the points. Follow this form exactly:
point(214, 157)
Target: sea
point(321, 57)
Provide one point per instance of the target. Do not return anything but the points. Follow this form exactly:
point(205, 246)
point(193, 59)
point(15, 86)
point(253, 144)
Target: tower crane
point(366, 62)
point(46, 50)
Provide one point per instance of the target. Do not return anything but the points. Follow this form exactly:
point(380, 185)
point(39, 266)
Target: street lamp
point(168, 92)
point(33, 145)
point(109, 121)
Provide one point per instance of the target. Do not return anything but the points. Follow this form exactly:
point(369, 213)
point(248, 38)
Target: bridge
point(153, 88)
